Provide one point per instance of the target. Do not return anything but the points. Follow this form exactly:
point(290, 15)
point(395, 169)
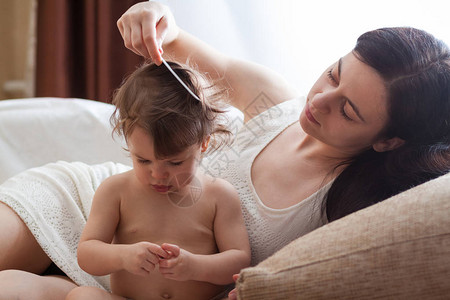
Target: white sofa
point(37, 131)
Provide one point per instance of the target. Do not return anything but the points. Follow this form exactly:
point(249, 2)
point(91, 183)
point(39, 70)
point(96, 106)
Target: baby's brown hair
point(153, 99)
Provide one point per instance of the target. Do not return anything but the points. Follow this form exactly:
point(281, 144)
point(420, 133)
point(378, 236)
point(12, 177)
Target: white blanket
point(54, 201)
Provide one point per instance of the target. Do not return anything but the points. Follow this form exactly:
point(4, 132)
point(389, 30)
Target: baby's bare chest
point(188, 226)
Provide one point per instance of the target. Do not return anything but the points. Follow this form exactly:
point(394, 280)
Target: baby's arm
point(96, 254)
point(231, 239)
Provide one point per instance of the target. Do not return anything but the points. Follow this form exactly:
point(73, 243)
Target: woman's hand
point(146, 27)
point(142, 258)
point(232, 294)
point(177, 265)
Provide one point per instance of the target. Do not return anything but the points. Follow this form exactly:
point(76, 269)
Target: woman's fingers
point(144, 27)
point(149, 40)
point(232, 295)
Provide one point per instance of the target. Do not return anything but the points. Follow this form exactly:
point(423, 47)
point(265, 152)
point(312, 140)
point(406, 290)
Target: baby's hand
point(142, 258)
point(177, 265)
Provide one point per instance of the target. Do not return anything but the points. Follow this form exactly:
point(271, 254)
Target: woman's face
point(347, 106)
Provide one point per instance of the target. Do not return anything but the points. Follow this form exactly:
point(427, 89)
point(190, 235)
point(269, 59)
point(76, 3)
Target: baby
point(164, 230)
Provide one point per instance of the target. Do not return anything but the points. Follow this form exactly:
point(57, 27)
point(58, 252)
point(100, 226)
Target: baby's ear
point(205, 143)
point(388, 144)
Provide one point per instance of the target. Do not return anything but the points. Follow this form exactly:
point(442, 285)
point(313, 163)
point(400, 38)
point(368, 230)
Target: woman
point(375, 123)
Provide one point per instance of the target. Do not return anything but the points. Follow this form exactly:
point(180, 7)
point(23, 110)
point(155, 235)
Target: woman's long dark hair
point(415, 67)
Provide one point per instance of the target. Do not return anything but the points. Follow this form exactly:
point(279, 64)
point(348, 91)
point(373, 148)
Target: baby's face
point(166, 175)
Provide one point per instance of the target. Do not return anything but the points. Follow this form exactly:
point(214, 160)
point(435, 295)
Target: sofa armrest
point(399, 249)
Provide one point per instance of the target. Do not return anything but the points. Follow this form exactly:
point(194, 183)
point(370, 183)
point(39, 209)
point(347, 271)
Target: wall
point(300, 39)
point(16, 49)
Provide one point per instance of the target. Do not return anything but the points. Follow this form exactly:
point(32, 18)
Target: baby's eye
point(143, 161)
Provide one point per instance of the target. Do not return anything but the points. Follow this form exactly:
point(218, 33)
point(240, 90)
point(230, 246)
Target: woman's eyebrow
point(354, 107)
point(339, 67)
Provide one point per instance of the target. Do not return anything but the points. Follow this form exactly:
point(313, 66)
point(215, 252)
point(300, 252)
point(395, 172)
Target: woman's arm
point(149, 27)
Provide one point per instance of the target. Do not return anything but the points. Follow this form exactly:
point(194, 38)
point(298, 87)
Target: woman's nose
point(321, 102)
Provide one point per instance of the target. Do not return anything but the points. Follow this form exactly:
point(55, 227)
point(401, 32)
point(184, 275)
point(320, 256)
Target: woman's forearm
point(186, 47)
point(245, 81)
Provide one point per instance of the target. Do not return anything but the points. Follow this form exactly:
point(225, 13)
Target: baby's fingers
point(151, 259)
point(144, 269)
point(167, 263)
point(172, 249)
point(157, 250)
point(165, 267)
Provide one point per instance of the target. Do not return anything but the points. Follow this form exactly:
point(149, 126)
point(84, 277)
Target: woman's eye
point(344, 114)
point(331, 77)
point(176, 163)
point(143, 161)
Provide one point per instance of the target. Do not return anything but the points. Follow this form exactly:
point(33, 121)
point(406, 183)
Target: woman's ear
point(388, 144)
point(205, 144)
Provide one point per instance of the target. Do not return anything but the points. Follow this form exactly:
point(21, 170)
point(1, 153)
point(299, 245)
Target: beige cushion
point(397, 249)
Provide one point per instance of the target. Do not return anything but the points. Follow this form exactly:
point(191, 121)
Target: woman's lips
point(161, 188)
point(309, 115)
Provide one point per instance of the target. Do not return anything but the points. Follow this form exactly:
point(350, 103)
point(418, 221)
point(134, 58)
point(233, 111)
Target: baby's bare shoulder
point(220, 189)
point(117, 181)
